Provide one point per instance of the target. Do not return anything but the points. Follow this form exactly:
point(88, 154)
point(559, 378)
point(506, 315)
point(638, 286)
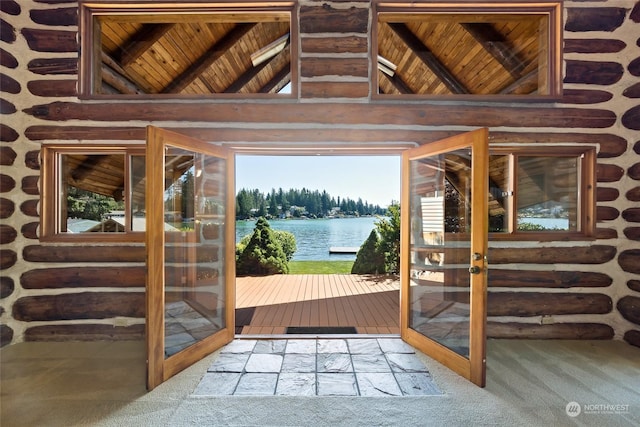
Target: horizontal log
point(631, 119)
point(32, 159)
point(7, 32)
point(8, 84)
point(633, 194)
point(84, 332)
point(632, 233)
point(53, 87)
point(634, 67)
point(593, 45)
point(6, 286)
point(7, 208)
point(84, 277)
point(334, 90)
point(609, 173)
point(635, 15)
point(540, 304)
point(606, 213)
point(629, 307)
point(546, 279)
point(607, 194)
point(7, 107)
point(30, 208)
point(631, 215)
point(606, 233)
point(116, 253)
point(334, 114)
point(8, 234)
point(563, 331)
point(30, 185)
point(7, 59)
point(65, 16)
point(325, 19)
point(6, 335)
point(634, 285)
point(593, 72)
point(351, 67)
point(632, 337)
point(594, 254)
point(632, 91)
point(585, 96)
point(8, 258)
point(334, 45)
point(636, 146)
point(30, 230)
point(7, 156)
point(10, 7)
point(629, 260)
point(7, 134)
point(58, 41)
point(7, 183)
point(54, 66)
point(83, 305)
point(594, 18)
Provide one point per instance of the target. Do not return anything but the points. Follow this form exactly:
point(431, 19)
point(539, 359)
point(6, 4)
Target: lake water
point(314, 237)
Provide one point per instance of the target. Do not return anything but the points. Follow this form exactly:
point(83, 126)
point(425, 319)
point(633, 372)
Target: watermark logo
point(573, 409)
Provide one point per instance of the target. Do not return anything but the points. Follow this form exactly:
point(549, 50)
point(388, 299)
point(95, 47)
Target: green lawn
point(320, 267)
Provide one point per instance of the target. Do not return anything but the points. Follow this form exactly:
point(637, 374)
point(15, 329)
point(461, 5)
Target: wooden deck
point(368, 303)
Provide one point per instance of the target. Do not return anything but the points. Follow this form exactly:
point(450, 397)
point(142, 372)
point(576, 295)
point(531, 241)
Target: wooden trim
point(92, 13)
point(551, 38)
point(51, 200)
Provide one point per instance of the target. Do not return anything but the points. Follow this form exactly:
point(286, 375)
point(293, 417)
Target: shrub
point(369, 259)
point(263, 254)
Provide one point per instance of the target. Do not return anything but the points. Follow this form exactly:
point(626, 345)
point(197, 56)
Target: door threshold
point(312, 336)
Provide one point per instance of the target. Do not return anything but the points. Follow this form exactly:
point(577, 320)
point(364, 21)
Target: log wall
point(549, 290)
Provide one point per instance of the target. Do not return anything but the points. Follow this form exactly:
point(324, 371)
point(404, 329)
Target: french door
point(189, 211)
point(443, 251)
point(190, 218)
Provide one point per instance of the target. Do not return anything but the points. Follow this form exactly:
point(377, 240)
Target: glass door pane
point(445, 229)
point(190, 252)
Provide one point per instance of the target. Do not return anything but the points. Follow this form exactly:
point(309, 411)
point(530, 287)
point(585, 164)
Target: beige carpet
point(529, 383)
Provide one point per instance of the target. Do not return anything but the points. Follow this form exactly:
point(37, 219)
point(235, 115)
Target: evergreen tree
point(390, 239)
point(369, 259)
point(263, 255)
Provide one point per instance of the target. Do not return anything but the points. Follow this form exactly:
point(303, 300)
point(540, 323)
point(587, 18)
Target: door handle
point(474, 269)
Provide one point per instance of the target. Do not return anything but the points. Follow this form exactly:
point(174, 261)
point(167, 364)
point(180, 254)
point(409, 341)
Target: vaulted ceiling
point(425, 55)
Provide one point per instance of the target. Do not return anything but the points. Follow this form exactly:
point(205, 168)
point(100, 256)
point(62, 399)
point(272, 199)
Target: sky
point(375, 179)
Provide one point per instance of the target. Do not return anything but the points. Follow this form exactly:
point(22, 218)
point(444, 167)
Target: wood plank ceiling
point(192, 57)
point(461, 54)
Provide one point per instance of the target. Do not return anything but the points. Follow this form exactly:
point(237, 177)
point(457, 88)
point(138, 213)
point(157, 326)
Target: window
point(542, 192)
point(170, 50)
point(91, 193)
point(468, 51)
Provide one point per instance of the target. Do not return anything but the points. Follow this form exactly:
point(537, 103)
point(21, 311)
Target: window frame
point(586, 188)
point(50, 203)
point(554, 65)
point(89, 35)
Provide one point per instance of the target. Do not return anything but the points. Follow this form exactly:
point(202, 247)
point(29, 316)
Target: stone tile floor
point(318, 367)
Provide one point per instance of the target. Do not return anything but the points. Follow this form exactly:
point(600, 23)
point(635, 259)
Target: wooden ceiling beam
point(428, 58)
point(248, 75)
point(116, 77)
point(524, 85)
point(398, 83)
point(497, 46)
point(278, 81)
point(141, 41)
point(208, 58)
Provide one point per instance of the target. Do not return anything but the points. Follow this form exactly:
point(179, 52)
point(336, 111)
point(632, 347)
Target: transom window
point(172, 50)
point(466, 50)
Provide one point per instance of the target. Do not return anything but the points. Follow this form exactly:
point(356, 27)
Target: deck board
point(368, 303)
